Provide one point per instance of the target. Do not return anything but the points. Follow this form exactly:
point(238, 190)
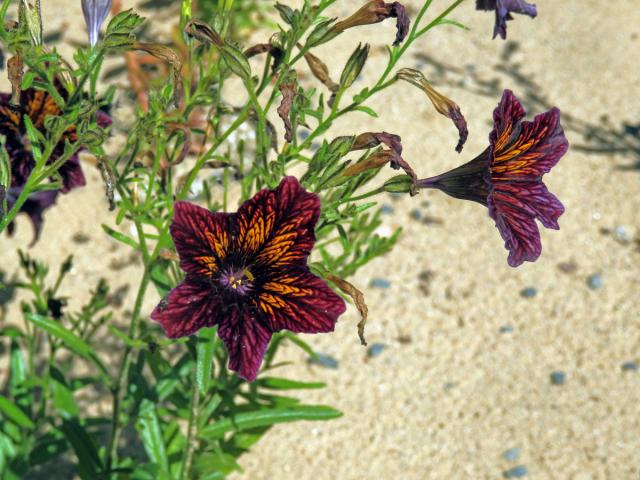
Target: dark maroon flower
point(34, 207)
point(503, 9)
point(247, 273)
point(507, 177)
point(38, 105)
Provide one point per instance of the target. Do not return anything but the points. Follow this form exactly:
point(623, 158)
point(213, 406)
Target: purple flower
point(95, 12)
point(503, 9)
point(34, 207)
point(507, 177)
point(247, 274)
point(37, 105)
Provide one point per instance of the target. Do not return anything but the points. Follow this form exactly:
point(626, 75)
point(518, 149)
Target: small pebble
point(324, 360)
point(380, 283)
point(511, 455)
point(621, 235)
point(528, 292)
point(558, 378)
point(506, 329)
point(303, 134)
point(595, 281)
point(629, 366)
point(568, 267)
point(375, 349)
point(386, 209)
point(516, 472)
point(416, 214)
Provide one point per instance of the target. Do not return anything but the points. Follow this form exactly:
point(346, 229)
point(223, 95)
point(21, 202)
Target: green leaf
point(207, 344)
point(14, 414)
point(120, 237)
point(89, 464)
point(160, 277)
point(276, 383)
point(18, 367)
point(148, 425)
point(70, 339)
point(262, 418)
point(446, 21)
point(63, 399)
point(214, 465)
point(368, 110)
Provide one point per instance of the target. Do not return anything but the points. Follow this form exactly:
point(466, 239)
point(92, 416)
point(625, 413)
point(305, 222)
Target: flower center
point(239, 281)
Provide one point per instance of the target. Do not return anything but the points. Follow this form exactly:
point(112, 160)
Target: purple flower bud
point(95, 11)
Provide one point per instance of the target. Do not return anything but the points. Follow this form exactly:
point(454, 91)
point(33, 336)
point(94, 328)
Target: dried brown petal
point(376, 160)
point(357, 297)
point(15, 69)
point(375, 11)
point(273, 50)
point(372, 139)
point(168, 55)
point(442, 104)
point(203, 32)
point(288, 90)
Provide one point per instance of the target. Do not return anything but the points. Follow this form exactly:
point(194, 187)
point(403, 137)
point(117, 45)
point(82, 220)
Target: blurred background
point(474, 369)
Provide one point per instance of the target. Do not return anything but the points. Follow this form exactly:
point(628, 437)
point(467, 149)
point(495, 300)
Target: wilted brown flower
point(445, 106)
point(375, 11)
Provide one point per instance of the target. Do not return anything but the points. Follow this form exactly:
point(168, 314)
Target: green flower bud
point(354, 66)
point(323, 33)
point(236, 61)
point(399, 184)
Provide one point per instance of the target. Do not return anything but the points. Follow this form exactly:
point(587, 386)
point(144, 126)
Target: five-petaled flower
point(507, 176)
point(38, 105)
point(247, 274)
point(503, 10)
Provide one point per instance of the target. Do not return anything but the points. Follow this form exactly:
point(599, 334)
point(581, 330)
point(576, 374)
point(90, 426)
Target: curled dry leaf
point(288, 90)
point(15, 69)
point(358, 298)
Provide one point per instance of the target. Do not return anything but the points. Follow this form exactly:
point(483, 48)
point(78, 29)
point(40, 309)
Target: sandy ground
point(465, 372)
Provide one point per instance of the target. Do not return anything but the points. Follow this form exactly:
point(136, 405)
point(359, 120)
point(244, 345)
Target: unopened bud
point(30, 17)
point(236, 61)
point(399, 184)
point(354, 66)
point(320, 71)
point(323, 33)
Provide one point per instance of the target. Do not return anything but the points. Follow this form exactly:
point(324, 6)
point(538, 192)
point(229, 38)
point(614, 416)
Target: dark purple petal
point(503, 10)
point(201, 238)
point(524, 151)
point(246, 340)
point(470, 181)
point(34, 207)
point(188, 308)
point(300, 302)
point(72, 175)
point(276, 227)
point(103, 119)
point(404, 22)
point(517, 227)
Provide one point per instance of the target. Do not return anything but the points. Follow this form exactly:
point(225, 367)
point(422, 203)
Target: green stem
point(187, 458)
point(118, 391)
